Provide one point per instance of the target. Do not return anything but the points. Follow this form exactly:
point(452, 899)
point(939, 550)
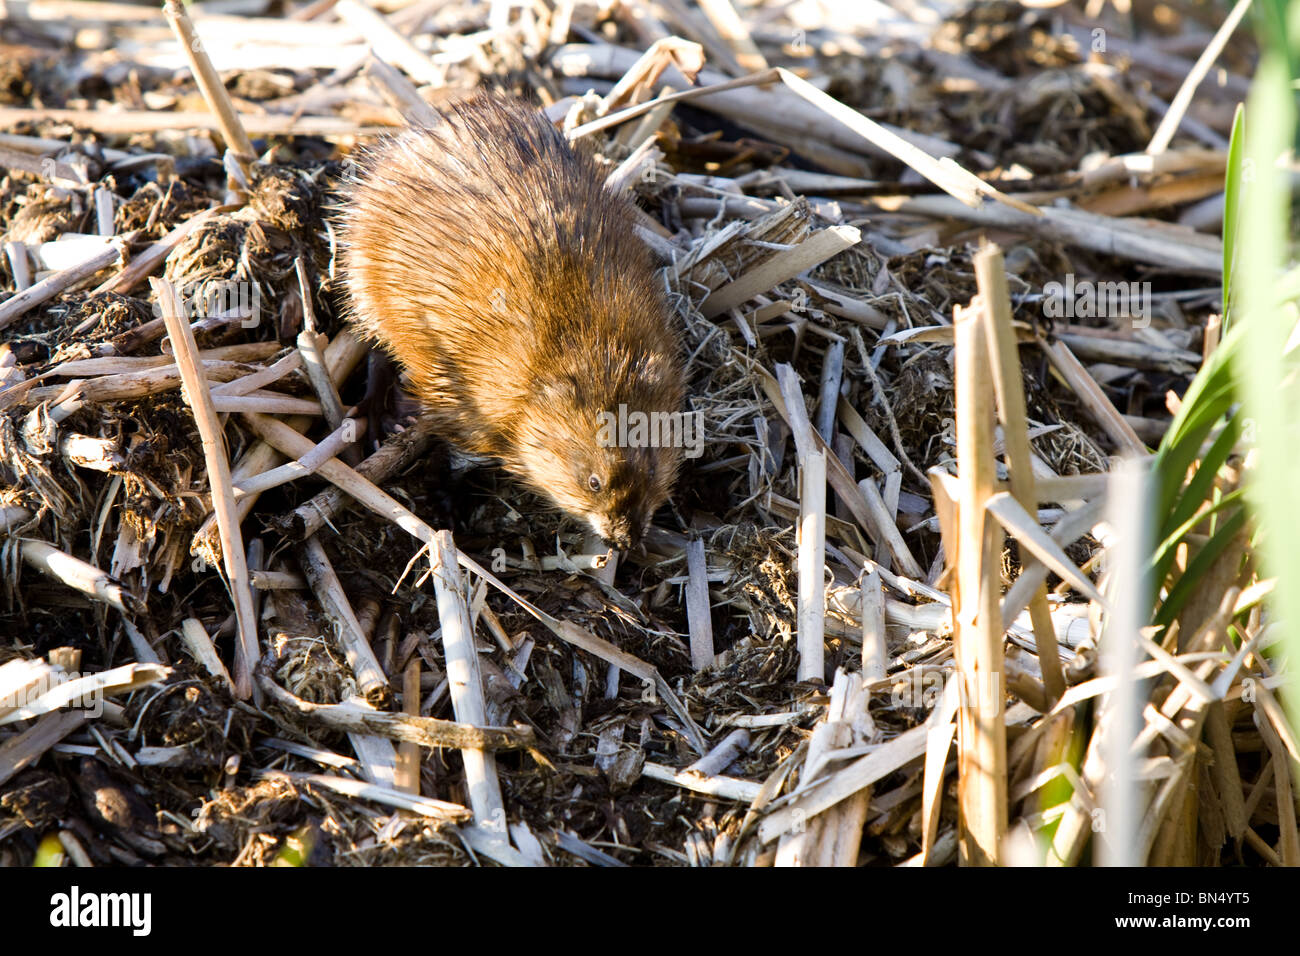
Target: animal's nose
point(622, 535)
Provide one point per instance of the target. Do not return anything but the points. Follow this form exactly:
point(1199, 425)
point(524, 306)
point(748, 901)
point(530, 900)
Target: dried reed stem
point(786, 264)
point(1178, 107)
point(407, 776)
point(875, 645)
point(408, 728)
point(196, 640)
point(1009, 388)
point(699, 617)
point(17, 305)
point(466, 684)
point(812, 530)
point(982, 741)
point(1119, 719)
point(722, 15)
point(371, 680)
point(329, 447)
point(209, 83)
point(729, 788)
point(218, 468)
point(388, 43)
point(78, 574)
point(1094, 399)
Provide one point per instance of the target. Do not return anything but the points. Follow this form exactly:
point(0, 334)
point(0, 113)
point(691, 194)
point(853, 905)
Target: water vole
point(488, 258)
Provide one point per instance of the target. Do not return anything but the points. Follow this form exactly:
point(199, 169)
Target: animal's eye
point(593, 483)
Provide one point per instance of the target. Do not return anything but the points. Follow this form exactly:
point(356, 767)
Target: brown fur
point(486, 256)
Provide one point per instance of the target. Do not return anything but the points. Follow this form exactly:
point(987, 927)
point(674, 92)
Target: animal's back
point(477, 248)
point(490, 260)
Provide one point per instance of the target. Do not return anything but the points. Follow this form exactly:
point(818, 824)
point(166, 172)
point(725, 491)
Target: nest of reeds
point(765, 683)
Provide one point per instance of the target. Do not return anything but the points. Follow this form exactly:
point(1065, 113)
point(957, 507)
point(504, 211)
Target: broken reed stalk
point(267, 376)
point(1141, 241)
point(647, 131)
point(812, 565)
point(218, 467)
point(311, 347)
point(1009, 388)
point(1164, 133)
point(329, 446)
point(785, 265)
point(356, 717)
point(632, 112)
point(831, 838)
point(465, 682)
point(723, 754)
point(407, 774)
point(702, 34)
point(267, 403)
point(1093, 398)
point(722, 15)
point(342, 355)
point(812, 530)
point(96, 454)
point(104, 211)
point(832, 376)
point(637, 82)
point(395, 454)
point(17, 305)
point(61, 174)
point(1210, 337)
point(1289, 841)
point(698, 615)
point(890, 538)
point(293, 444)
point(937, 744)
point(945, 491)
point(846, 780)
point(952, 178)
point(21, 751)
point(837, 475)
point(875, 646)
point(124, 364)
point(729, 788)
point(78, 574)
point(849, 721)
point(977, 617)
point(867, 439)
point(371, 679)
point(388, 43)
point(196, 641)
point(16, 255)
point(210, 85)
point(70, 398)
point(118, 680)
point(438, 810)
